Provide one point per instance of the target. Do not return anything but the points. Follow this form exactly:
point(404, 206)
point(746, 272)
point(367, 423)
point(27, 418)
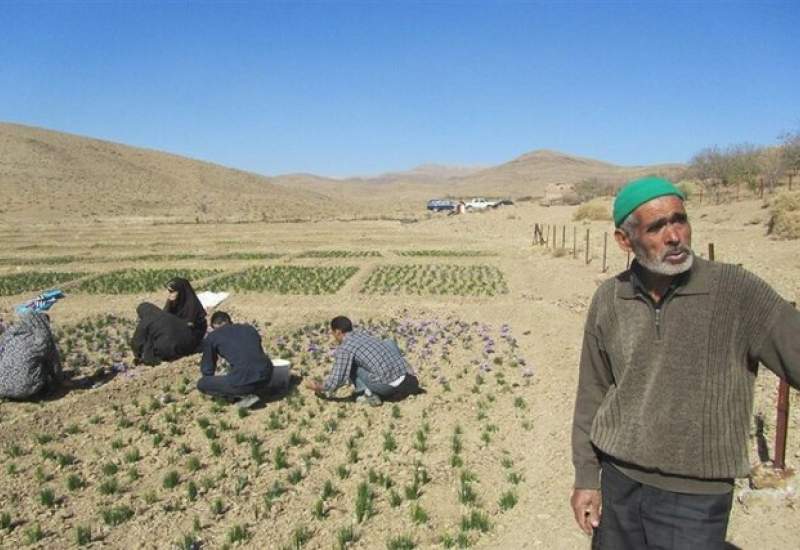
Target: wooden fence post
point(574, 242)
point(563, 236)
point(782, 423)
point(781, 426)
point(711, 251)
point(587, 246)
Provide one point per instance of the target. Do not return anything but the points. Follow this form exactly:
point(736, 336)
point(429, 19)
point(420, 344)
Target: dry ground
point(544, 308)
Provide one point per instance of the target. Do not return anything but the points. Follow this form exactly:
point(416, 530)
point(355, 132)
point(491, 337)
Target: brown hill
point(46, 175)
point(532, 172)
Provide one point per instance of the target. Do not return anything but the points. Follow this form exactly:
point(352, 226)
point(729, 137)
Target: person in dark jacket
point(249, 368)
point(184, 303)
point(160, 336)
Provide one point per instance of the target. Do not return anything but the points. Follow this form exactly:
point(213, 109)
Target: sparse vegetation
point(595, 210)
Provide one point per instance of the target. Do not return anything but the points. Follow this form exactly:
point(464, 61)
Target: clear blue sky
point(343, 88)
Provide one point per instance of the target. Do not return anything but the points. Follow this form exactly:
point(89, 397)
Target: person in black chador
point(160, 336)
point(184, 303)
point(250, 370)
point(171, 333)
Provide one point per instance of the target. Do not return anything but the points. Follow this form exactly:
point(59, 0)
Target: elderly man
point(670, 353)
point(375, 367)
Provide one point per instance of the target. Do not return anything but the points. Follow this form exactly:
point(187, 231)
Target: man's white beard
point(662, 267)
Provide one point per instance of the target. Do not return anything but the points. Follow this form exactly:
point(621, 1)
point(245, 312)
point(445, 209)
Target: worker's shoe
point(248, 401)
point(372, 400)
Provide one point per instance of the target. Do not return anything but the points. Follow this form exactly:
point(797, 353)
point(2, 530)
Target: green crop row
point(131, 281)
point(55, 260)
point(286, 280)
point(339, 254)
point(462, 280)
point(445, 253)
point(33, 282)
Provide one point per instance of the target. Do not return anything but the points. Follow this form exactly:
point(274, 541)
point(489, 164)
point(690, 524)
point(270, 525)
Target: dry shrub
point(785, 221)
point(560, 252)
point(596, 210)
point(688, 187)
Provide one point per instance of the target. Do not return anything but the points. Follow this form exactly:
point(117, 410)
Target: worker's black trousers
point(641, 517)
point(221, 386)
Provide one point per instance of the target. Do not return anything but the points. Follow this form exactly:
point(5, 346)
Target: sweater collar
point(695, 281)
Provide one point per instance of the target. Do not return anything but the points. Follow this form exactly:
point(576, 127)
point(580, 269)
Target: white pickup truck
point(479, 203)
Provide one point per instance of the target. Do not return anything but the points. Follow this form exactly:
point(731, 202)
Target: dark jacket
point(240, 346)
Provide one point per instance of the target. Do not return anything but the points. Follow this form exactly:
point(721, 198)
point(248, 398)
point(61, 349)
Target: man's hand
point(586, 507)
point(315, 386)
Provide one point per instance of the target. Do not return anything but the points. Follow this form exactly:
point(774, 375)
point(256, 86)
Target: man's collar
point(695, 281)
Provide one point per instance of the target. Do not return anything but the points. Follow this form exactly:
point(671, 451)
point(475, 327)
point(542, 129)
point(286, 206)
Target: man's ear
point(623, 240)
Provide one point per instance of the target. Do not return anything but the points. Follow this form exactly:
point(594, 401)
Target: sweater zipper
point(658, 323)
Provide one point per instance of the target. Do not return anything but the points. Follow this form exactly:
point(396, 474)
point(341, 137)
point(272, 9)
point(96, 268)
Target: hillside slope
point(53, 176)
point(532, 172)
point(46, 175)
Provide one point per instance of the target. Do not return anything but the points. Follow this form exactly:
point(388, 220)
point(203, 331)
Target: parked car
point(442, 205)
point(479, 203)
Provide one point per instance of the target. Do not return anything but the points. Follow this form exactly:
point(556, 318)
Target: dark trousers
point(221, 386)
point(641, 517)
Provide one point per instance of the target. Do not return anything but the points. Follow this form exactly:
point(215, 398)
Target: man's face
point(662, 240)
point(337, 335)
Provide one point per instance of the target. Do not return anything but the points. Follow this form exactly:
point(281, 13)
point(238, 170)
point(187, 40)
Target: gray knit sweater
point(670, 389)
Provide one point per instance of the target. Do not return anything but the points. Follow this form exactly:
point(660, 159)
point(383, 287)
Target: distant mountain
point(530, 173)
point(426, 174)
point(47, 175)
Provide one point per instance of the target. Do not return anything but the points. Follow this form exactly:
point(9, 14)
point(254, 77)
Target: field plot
point(445, 253)
point(340, 254)
point(301, 472)
point(244, 256)
point(131, 281)
point(154, 257)
point(33, 282)
point(99, 344)
point(462, 280)
point(283, 279)
point(40, 260)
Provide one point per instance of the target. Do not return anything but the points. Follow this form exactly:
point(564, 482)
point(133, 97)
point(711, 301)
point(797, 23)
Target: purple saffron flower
point(527, 372)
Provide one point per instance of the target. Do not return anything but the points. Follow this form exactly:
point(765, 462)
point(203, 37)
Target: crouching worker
point(376, 368)
point(249, 368)
point(29, 360)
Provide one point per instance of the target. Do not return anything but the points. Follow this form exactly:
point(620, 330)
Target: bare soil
point(514, 429)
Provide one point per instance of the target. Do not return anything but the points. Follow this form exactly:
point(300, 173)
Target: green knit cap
point(640, 191)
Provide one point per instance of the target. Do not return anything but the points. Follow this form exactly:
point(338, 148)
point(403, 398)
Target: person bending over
point(375, 367)
point(249, 368)
point(29, 359)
